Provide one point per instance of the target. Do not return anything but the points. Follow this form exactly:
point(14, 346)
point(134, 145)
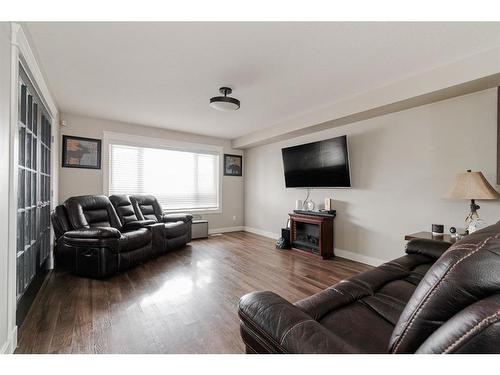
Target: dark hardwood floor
point(182, 302)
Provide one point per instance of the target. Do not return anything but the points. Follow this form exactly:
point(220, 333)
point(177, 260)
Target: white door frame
point(21, 52)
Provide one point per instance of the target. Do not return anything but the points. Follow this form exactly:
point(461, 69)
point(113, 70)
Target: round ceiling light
point(224, 103)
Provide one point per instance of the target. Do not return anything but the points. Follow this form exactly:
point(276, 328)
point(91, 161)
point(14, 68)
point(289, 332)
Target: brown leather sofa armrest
point(99, 232)
point(284, 328)
point(475, 329)
point(431, 248)
point(170, 218)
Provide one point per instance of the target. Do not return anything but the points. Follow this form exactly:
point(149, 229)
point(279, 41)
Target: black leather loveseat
point(97, 236)
point(435, 299)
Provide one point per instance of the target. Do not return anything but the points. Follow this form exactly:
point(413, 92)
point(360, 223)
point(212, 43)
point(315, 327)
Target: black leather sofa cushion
point(91, 211)
point(147, 207)
point(124, 209)
point(133, 240)
point(176, 229)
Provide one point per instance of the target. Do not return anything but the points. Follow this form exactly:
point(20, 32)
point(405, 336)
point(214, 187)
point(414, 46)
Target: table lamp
point(471, 185)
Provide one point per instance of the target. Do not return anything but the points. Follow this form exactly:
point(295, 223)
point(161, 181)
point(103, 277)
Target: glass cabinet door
point(34, 184)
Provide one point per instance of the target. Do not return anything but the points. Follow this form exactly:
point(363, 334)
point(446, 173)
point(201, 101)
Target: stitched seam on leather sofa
point(256, 337)
point(318, 317)
point(489, 320)
point(249, 347)
point(292, 327)
point(257, 329)
point(335, 289)
point(469, 246)
point(431, 292)
point(369, 307)
point(257, 334)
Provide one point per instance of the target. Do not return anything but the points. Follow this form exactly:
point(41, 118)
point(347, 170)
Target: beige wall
point(401, 165)
point(86, 181)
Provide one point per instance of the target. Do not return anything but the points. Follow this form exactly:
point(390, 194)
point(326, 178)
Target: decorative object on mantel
point(308, 204)
point(472, 185)
point(233, 165)
point(455, 233)
point(437, 229)
point(328, 204)
point(298, 204)
point(79, 152)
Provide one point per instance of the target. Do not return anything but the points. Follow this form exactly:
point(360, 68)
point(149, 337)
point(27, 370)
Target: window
point(180, 179)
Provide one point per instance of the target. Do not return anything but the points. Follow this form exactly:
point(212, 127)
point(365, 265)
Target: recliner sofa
point(97, 236)
point(435, 299)
point(177, 226)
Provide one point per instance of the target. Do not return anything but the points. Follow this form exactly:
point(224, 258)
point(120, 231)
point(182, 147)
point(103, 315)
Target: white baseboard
point(10, 346)
point(261, 232)
point(225, 230)
point(341, 253)
point(359, 257)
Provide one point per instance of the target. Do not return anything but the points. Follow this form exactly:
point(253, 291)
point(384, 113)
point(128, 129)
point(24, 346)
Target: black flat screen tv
point(319, 164)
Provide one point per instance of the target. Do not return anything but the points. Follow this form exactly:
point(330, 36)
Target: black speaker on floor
point(284, 241)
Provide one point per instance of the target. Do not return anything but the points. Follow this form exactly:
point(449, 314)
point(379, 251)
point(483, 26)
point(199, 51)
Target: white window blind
point(181, 180)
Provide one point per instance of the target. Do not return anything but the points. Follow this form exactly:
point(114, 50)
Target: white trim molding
point(226, 230)
point(338, 252)
point(262, 232)
point(27, 58)
point(10, 346)
point(359, 257)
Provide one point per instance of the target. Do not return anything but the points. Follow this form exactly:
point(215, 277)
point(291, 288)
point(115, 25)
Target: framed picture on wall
point(79, 152)
point(233, 165)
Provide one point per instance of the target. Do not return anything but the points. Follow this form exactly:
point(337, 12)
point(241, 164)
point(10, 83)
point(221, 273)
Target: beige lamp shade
point(471, 185)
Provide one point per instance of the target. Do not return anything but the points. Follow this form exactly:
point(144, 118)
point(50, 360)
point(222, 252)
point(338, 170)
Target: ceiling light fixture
point(224, 103)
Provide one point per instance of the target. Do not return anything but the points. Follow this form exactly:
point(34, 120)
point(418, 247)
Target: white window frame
point(166, 144)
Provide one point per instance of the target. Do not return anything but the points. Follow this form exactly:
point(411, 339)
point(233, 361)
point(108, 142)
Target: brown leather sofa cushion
point(433, 300)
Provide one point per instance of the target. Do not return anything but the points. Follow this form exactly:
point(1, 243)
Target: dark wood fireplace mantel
point(312, 233)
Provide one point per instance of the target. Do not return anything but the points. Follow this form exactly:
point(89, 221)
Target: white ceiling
point(163, 74)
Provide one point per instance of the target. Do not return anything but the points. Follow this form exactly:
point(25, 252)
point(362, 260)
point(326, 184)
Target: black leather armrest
point(104, 237)
point(102, 232)
point(283, 328)
point(158, 237)
point(168, 218)
point(138, 224)
point(430, 248)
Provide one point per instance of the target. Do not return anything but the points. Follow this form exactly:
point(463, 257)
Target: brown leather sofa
point(435, 299)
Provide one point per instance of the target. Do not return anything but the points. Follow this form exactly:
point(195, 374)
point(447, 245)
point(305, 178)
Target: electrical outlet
point(234, 218)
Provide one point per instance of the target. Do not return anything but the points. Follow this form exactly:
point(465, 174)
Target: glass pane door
point(33, 201)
